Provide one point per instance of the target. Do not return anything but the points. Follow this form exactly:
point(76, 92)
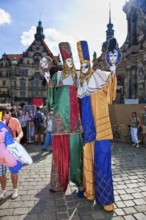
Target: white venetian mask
point(69, 62)
point(84, 68)
point(44, 63)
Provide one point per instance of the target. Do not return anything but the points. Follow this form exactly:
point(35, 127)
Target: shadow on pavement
point(58, 206)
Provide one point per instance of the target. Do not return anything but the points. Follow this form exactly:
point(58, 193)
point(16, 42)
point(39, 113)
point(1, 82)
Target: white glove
point(47, 76)
point(113, 69)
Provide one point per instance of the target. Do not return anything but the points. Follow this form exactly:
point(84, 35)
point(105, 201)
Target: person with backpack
point(38, 123)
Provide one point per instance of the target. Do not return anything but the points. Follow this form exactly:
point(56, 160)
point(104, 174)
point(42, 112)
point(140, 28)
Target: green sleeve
point(52, 90)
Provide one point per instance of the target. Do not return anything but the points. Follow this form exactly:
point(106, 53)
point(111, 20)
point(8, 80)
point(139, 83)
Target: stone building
point(131, 71)
point(20, 77)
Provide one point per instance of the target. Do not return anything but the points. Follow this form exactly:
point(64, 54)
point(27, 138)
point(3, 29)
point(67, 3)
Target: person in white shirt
point(23, 121)
point(48, 136)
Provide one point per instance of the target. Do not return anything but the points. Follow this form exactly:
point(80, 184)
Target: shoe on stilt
point(52, 191)
point(109, 208)
point(80, 194)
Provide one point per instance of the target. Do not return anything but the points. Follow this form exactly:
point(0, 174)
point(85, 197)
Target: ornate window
point(37, 84)
point(24, 72)
point(32, 84)
point(22, 93)
point(13, 84)
point(3, 83)
point(22, 84)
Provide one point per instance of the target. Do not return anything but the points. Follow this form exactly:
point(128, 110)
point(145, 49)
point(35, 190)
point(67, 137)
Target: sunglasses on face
point(7, 112)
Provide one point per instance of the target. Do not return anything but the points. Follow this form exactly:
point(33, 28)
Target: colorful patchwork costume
point(67, 143)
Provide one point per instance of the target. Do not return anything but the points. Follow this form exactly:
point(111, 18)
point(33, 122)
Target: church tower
point(100, 62)
point(109, 33)
point(39, 32)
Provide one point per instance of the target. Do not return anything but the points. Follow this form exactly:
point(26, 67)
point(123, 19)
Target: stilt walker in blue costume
point(96, 90)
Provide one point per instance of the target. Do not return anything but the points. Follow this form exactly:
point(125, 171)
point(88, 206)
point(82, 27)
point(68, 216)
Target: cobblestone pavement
point(35, 202)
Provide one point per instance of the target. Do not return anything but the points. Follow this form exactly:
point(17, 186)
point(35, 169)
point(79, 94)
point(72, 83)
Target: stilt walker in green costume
point(67, 144)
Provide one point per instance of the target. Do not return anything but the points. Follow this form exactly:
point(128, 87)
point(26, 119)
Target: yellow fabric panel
point(114, 87)
point(88, 171)
point(111, 89)
point(101, 115)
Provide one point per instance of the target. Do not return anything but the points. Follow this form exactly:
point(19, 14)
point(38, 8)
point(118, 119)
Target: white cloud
point(54, 37)
point(5, 17)
point(27, 37)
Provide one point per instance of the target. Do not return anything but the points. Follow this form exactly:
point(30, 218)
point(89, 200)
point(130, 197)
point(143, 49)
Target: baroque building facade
point(20, 76)
point(131, 71)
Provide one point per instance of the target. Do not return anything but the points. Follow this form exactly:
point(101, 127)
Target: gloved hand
point(113, 69)
point(47, 76)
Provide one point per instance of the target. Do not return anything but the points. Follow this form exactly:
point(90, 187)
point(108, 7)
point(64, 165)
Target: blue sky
point(64, 20)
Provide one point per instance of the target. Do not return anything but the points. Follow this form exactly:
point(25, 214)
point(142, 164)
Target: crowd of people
point(33, 130)
point(24, 119)
point(20, 126)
